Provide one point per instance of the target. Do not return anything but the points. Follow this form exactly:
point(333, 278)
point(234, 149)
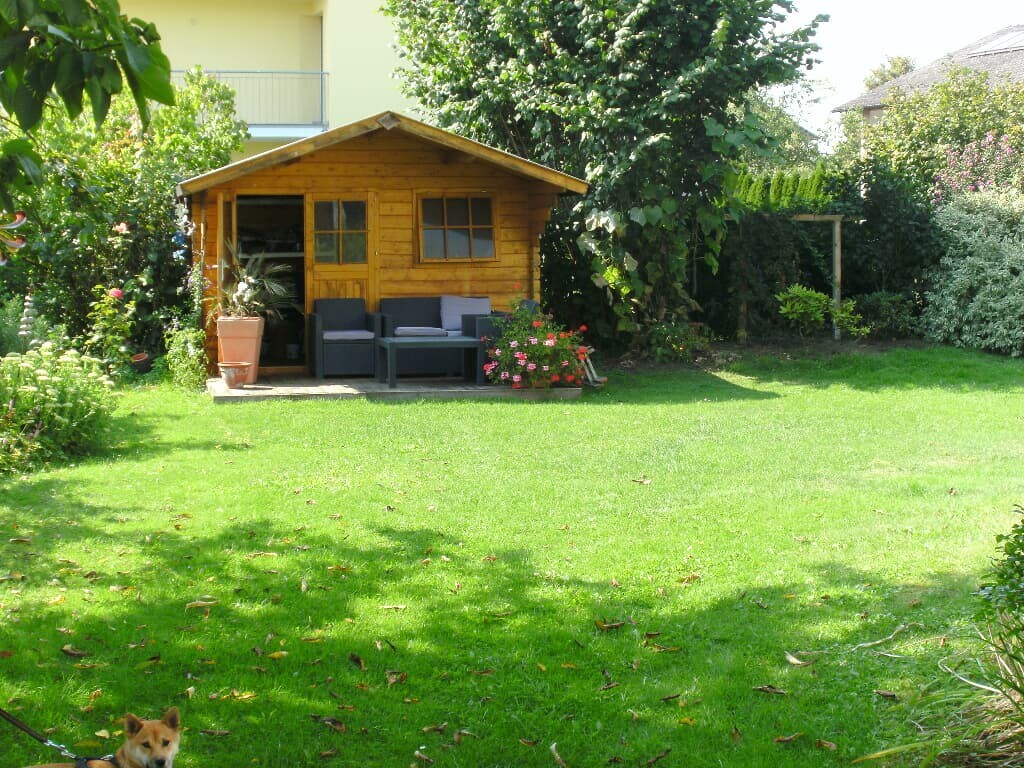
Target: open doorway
point(272, 226)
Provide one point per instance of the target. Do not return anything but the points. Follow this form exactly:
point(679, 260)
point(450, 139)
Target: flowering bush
point(111, 320)
point(52, 404)
point(186, 357)
point(990, 164)
point(534, 351)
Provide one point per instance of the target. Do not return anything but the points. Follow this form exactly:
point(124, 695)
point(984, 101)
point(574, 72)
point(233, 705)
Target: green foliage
point(788, 144)
point(1003, 588)
point(894, 66)
point(532, 350)
point(107, 212)
point(848, 320)
point(53, 404)
point(676, 341)
point(253, 287)
point(917, 129)
point(186, 358)
point(638, 98)
point(85, 52)
point(110, 321)
point(977, 294)
point(804, 308)
point(889, 315)
point(784, 191)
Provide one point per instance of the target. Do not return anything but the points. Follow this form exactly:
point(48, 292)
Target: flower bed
point(52, 404)
point(533, 351)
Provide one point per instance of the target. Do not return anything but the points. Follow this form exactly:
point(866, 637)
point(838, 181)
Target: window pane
point(458, 212)
point(353, 248)
point(458, 243)
point(326, 249)
point(325, 215)
point(433, 243)
point(433, 212)
point(483, 243)
point(353, 215)
point(481, 211)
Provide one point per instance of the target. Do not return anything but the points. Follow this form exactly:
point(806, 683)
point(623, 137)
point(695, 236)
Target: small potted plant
point(534, 352)
point(253, 292)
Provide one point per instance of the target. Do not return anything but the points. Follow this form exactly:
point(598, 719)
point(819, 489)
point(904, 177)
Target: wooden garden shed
point(385, 207)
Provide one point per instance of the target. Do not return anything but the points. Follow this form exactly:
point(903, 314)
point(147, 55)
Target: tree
point(106, 212)
point(77, 48)
point(894, 66)
point(790, 145)
point(634, 96)
point(917, 130)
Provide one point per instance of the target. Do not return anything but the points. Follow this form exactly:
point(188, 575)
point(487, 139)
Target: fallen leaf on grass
point(438, 728)
point(822, 744)
point(459, 735)
point(736, 735)
point(277, 655)
point(327, 754)
point(214, 732)
point(75, 653)
point(687, 721)
point(528, 742)
point(104, 734)
point(19, 540)
point(887, 695)
point(558, 758)
point(253, 555)
point(770, 689)
point(395, 676)
point(657, 757)
point(608, 626)
point(393, 607)
point(6, 654)
point(358, 661)
point(203, 602)
point(489, 558)
point(690, 578)
point(609, 686)
point(797, 662)
point(420, 756)
point(481, 672)
point(642, 480)
point(787, 739)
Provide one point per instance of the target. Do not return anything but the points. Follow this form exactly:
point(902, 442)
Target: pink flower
point(545, 368)
point(517, 378)
point(504, 375)
point(549, 343)
point(497, 352)
point(115, 293)
point(533, 340)
point(565, 363)
point(122, 228)
point(513, 343)
point(531, 367)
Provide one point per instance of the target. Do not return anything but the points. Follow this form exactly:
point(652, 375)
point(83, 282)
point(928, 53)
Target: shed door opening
point(273, 226)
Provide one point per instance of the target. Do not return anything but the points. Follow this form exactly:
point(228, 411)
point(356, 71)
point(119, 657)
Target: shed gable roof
point(1000, 55)
point(386, 121)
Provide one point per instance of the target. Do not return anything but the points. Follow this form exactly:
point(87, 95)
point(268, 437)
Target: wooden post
point(837, 271)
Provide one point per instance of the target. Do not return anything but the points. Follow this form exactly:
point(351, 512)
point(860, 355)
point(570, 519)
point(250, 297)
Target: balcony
point(276, 104)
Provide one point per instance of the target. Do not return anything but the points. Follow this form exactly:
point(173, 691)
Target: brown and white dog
point(150, 744)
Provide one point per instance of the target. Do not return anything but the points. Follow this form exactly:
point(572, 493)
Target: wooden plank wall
point(394, 168)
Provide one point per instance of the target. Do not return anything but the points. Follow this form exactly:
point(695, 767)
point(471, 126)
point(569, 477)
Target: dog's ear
point(171, 719)
point(132, 724)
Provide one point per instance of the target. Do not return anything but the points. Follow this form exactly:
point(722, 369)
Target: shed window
point(456, 228)
point(339, 231)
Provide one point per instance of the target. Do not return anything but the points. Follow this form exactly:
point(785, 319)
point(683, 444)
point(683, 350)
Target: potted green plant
point(253, 292)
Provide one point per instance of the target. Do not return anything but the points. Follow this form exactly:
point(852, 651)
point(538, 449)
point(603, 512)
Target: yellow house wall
point(287, 35)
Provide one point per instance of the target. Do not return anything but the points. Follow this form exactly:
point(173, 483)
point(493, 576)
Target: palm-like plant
point(254, 287)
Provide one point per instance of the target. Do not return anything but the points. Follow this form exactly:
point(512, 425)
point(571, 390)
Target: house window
point(339, 231)
point(456, 228)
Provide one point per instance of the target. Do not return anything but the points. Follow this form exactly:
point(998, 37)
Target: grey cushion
point(419, 330)
point(453, 333)
point(348, 335)
point(454, 307)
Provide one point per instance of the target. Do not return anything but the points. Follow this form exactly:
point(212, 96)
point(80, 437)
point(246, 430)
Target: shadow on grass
point(943, 368)
point(412, 641)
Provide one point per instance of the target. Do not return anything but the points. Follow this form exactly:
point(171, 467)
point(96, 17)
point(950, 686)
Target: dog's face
point(152, 743)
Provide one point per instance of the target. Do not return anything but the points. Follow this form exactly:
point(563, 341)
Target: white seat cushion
point(454, 307)
point(419, 330)
point(348, 335)
point(453, 333)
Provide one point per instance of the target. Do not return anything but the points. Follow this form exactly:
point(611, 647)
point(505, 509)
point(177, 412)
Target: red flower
point(555, 377)
point(570, 378)
point(583, 329)
point(551, 335)
point(537, 323)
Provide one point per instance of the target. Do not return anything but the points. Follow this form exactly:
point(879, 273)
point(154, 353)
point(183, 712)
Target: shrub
point(111, 321)
point(534, 351)
point(186, 357)
point(977, 294)
point(804, 308)
point(1003, 589)
point(675, 341)
point(52, 404)
point(889, 315)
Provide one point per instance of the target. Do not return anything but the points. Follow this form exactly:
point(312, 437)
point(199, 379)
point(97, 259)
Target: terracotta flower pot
point(234, 374)
point(238, 340)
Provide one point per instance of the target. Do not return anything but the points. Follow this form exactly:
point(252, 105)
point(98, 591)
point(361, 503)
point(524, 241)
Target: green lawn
point(398, 566)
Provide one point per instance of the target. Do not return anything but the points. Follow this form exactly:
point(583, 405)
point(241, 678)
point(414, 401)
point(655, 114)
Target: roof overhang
point(386, 121)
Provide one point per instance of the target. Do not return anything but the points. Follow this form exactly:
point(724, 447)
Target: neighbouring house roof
point(386, 121)
point(1000, 55)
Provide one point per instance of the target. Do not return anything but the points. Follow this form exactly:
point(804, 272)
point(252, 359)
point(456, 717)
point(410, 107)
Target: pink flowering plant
point(993, 163)
point(110, 320)
point(531, 350)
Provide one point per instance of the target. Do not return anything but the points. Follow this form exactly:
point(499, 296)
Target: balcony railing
point(275, 97)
